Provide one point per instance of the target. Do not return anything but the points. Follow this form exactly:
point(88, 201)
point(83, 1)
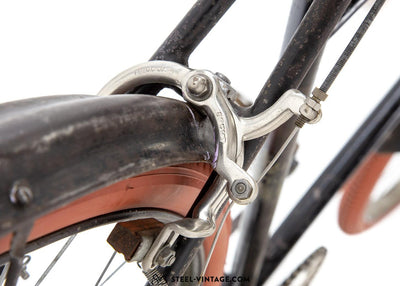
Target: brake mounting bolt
point(199, 87)
point(241, 189)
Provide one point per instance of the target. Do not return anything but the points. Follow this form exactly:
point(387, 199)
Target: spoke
point(214, 243)
point(105, 268)
point(112, 274)
point(306, 271)
point(55, 260)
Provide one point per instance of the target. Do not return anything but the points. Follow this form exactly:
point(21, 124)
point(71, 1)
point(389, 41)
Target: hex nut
point(241, 189)
point(319, 94)
point(199, 87)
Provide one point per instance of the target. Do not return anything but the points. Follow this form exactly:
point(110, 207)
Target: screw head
point(165, 257)
point(241, 189)
point(21, 193)
point(199, 87)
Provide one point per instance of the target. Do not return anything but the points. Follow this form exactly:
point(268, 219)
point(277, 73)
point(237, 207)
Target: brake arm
point(208, 92)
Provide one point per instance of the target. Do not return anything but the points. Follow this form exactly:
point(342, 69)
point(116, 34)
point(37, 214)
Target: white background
point(54, 47)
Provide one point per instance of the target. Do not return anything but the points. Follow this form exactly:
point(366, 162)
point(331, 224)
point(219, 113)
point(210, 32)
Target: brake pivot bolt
point(199, 87)
point(241, 189)
point(21, 193)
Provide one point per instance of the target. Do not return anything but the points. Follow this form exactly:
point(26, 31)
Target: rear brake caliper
point(212, 94)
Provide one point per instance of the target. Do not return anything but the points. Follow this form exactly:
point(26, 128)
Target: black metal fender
point(63, 147)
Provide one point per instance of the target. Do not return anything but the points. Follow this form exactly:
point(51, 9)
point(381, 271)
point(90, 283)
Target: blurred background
point(75, 47)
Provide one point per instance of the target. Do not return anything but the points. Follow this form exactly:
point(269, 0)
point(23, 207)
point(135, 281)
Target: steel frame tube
point(193, 28)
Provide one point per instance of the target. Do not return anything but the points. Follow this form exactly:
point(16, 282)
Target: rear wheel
point(170, 189)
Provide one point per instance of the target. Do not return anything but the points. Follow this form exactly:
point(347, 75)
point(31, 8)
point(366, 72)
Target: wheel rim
point(172, 189)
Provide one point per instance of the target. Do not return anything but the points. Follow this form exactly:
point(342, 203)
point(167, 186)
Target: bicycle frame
point(178, 47)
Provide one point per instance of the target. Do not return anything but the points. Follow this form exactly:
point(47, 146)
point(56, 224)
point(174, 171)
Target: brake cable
point(320, 94)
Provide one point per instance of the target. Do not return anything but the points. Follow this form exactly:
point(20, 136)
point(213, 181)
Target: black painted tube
point(329, 182)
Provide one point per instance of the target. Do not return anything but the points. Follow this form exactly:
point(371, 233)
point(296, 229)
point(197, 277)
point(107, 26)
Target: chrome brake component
point(310, 111)
point(212, 93)
point(203, 89)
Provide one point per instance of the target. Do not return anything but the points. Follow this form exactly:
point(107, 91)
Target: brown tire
point(357, 191)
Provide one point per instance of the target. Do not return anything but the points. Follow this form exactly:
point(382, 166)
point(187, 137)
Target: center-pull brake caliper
point(209, 93)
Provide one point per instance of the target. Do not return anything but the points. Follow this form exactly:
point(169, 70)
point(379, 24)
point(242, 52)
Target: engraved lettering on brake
point(160, 68)
point(221, 127)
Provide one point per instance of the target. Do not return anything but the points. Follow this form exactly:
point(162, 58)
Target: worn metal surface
point(187, 35)
point(65, 147)
point(329, 182)
point(192, 29)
